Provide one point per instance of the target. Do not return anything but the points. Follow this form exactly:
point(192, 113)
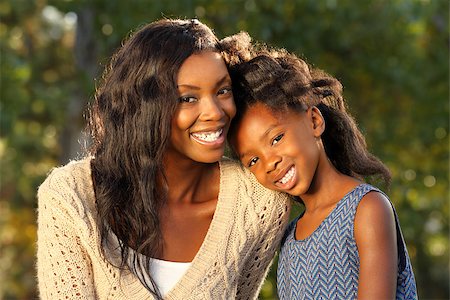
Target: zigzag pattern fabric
point(325, 265)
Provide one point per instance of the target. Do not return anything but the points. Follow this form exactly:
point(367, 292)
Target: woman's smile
point(216, 138)
point(205, 109)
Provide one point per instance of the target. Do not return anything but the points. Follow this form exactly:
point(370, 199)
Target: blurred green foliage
point(391, 56)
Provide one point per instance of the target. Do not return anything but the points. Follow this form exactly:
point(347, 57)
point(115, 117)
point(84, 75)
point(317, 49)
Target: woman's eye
point(252, 162)
point(277, 139)
point(224, 91)
point(187, 99)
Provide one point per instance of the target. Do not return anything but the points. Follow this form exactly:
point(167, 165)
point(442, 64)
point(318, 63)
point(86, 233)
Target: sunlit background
point(392, 57)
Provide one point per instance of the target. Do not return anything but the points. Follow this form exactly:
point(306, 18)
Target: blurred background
point(392, 57)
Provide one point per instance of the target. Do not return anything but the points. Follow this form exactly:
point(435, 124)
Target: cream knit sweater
point(231, 263)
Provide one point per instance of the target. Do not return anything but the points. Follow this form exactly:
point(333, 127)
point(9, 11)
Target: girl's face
point(282, 150)
point(206, 107)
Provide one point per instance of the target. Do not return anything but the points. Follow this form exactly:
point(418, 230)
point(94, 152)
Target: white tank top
point(167, 273)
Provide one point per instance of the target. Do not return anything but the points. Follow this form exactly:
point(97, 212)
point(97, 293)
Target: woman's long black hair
point(281, 80)
point(130, 126)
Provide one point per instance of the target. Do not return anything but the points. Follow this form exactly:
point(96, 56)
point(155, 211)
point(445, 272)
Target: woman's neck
point(191, 182)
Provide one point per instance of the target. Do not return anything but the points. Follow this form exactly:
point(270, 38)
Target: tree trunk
point(73, 137)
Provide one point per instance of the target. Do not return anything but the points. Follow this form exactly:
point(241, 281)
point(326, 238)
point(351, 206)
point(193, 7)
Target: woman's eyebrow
point(225, 79)
point(191, 87)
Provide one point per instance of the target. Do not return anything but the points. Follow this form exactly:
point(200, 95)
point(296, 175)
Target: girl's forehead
point(279, 113)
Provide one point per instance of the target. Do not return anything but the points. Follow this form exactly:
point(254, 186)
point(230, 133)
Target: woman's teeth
point(208, 137)
point(288, 176)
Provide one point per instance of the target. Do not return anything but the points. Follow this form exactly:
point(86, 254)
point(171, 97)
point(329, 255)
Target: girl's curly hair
point(281, 81)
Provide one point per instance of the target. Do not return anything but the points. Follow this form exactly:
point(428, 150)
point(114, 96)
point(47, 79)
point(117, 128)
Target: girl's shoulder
point(362, 192)
point(370, 198)
point(375, 217)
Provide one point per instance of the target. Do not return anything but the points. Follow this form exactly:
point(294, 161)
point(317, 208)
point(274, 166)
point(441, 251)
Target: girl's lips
point(288, 180)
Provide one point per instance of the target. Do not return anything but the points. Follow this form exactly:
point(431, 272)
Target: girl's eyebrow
point(267, 132)
point(224, 79)
point(263, 136)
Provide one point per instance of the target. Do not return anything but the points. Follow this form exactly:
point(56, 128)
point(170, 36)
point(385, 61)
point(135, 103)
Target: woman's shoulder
point(73, 173)
point(69, 185)
point(246, 187)
point(233, 172)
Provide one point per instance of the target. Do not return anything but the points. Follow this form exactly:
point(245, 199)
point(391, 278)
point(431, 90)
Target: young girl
point(293, 132)
point(154, 211)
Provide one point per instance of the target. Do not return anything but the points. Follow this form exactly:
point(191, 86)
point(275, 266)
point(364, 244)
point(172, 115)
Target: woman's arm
point(268, 236)
point(64, 267)
point(376, 240)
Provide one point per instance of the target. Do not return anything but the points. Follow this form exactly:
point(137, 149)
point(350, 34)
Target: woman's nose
point(211, 109)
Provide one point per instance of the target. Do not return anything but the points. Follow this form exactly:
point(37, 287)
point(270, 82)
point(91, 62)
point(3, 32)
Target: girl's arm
point(376, 240)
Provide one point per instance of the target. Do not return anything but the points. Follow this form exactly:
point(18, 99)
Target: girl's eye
point(187, 99)
point(225, 90)
point(252, 162)
point(277, 139)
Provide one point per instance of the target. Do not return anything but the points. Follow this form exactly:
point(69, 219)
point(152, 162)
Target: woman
point(154, 211)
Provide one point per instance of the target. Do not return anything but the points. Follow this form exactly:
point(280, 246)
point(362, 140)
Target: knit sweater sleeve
point(272, 212)
point(63, 265)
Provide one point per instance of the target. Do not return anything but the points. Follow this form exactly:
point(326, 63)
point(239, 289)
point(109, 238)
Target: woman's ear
point(318, 121)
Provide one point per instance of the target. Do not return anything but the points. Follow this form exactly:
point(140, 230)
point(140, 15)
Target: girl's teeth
point(288, 176)
point(208, 137)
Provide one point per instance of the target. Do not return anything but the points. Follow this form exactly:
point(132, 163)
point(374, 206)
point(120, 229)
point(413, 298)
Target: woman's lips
point(209, 137)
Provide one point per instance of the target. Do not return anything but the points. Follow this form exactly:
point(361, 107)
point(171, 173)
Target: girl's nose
point(212, 110)
point(272, 161)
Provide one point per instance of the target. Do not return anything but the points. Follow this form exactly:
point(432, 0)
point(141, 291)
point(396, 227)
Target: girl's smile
point(288, 180)
point(280, 148)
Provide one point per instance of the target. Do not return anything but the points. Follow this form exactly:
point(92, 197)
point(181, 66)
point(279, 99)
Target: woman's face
point(281, 150)
point(206, 107)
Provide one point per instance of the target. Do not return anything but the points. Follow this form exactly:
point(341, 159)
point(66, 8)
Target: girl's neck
point(327, 187)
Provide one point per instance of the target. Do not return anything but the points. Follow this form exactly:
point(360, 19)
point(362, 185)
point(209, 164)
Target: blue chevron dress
point(325, 265)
